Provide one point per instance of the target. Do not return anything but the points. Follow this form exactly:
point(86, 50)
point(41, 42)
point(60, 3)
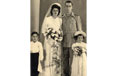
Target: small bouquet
point(55, 35)
point(78, 51)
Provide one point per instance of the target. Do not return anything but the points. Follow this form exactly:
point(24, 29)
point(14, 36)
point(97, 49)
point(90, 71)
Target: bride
point(52, 62)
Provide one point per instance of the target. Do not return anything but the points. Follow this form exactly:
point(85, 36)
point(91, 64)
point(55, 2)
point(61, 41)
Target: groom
point(71, 24)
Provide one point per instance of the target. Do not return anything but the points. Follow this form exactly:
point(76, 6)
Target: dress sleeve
point(73, 46)
point(60, 19)
point(44, 25)
point(84, 48)
point(41, 52)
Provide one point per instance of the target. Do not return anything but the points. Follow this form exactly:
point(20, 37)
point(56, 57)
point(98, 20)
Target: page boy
point(36, 54)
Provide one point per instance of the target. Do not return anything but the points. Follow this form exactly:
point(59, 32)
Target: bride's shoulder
point(60, 19)
point(48, 17)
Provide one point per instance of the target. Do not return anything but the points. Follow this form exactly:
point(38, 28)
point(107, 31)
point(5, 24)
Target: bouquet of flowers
point(55, 35)
point(77, 51)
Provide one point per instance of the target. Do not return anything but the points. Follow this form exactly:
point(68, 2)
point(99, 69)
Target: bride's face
point(55, 12)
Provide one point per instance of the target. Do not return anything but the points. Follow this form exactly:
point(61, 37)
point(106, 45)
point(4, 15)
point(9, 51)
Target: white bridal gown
point(51, 70)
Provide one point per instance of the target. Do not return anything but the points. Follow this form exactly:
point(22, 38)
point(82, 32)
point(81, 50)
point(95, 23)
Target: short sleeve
point(60, 21)
point(84, 47)
point(73, 46)
point(41, 52)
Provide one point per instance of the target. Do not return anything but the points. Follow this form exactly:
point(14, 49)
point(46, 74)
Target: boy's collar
point(34, 42)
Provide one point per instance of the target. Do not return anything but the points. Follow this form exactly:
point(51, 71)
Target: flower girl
point(79, 55)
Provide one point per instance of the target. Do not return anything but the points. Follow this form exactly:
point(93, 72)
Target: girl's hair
point(75, 37)
point(55, 6)
point(34, 33)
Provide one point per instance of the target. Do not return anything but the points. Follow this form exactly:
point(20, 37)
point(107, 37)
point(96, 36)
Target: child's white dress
point(79, 62)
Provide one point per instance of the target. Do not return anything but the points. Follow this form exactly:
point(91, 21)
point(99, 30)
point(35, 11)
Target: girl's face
point(55, 12)
point(80, 39)
point(34, 37)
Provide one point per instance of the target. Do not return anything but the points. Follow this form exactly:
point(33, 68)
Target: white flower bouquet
point(55, 35)
point(77, 51)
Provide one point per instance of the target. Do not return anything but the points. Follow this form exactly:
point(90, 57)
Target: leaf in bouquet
point(60, 39)
point(50, 28)
point(75, 49)
point(52, 37)
point(59, 35)
point(56, 35)
point(56, 32)
point(56, 38)
point(52, 34)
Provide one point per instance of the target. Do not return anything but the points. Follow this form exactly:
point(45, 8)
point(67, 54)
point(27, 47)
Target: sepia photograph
point(58, 38)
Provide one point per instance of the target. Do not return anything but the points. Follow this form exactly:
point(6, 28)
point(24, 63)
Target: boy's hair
point(68, 1)
point(34, 33)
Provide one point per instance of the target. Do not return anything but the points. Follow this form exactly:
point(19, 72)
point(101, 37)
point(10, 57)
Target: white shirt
point(36, 47)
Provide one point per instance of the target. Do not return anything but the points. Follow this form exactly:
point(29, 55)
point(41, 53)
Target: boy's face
point(80, 39)
point(34, 37)
point(69, 7)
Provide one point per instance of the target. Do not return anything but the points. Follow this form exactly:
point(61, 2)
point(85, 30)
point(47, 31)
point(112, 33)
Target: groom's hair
point(68, 1)
point(55, 6)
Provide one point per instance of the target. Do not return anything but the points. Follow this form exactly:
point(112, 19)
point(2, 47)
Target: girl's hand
point(79, 48)
point(75, 49)
point(75, 52)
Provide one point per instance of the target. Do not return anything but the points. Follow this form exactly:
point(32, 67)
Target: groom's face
point(68, 7)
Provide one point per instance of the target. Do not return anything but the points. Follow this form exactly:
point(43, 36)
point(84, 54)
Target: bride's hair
point(55, 6)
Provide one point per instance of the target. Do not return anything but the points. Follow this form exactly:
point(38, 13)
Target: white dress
point(50, 69)
point(79, 62)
